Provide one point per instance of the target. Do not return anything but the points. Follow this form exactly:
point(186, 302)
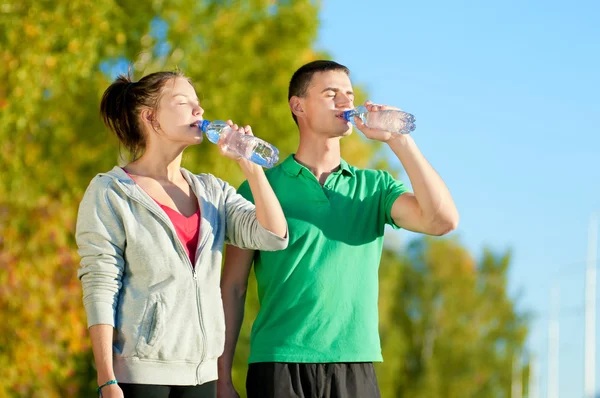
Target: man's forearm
point(430, 190)
point(233, 304)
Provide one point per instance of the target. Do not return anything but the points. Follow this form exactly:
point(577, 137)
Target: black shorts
point(206, 390)
point(312, 380)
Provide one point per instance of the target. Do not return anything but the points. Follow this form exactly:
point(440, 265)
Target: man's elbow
point(233, 288)
point(240, 291)
point(444, 225)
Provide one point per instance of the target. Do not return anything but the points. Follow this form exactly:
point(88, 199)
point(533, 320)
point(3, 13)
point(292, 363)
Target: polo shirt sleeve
point(392, 189)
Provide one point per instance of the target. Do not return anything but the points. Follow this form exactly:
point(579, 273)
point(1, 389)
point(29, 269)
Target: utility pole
point(516, 390)
point(553, 338)
point(533, 378)
point(590, 310)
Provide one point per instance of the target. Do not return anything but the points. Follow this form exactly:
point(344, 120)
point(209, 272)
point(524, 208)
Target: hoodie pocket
point(152, 328)
point(220, 328)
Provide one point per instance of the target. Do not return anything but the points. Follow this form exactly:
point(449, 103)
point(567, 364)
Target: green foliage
point(450, 321)
point(240, 55)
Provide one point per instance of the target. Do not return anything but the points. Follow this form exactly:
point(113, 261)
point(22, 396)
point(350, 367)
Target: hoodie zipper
point(194, 274)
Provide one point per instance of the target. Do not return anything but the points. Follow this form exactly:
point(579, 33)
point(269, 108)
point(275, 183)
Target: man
point(316, 334)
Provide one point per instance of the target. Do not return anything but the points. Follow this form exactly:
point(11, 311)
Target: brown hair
point(302, 77)
point(123, 102)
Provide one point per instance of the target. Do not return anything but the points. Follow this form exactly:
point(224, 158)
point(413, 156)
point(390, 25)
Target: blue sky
point(506, 96)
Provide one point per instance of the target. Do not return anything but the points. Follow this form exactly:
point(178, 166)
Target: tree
point(439, 310)
point(449, 327)
point(58, 57)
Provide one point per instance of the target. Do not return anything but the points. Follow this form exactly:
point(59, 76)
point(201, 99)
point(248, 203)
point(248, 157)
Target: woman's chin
point(196, 140)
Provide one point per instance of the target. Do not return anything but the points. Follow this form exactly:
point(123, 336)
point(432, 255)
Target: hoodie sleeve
point(100, 239)
point(243, 228)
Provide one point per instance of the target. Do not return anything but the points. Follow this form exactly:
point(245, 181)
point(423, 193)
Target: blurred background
point(506, 100)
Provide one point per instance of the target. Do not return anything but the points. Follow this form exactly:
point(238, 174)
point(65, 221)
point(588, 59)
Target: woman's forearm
point(102, 338)
point(268, 210)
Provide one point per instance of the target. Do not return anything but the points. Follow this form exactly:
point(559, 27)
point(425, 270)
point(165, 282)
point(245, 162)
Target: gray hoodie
point(137, 276)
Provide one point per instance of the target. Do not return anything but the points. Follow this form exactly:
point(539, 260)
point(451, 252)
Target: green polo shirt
point(318, 297)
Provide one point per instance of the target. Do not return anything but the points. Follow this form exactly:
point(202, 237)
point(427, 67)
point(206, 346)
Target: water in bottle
point(391, 120)
point(246, 146)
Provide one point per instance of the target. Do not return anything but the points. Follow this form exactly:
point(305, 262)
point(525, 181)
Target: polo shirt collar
point(292, 167)
point(345, 167)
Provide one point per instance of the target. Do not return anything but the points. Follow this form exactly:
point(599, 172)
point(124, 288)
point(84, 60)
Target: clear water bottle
point(391, 120)
point(247, 146)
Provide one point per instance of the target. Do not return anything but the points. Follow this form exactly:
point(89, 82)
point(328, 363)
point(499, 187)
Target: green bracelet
point(108, 383)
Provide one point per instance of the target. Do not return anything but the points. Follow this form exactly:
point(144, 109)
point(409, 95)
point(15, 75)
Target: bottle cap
point(203, 125)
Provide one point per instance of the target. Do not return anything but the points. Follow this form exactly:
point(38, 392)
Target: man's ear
point(296, 106)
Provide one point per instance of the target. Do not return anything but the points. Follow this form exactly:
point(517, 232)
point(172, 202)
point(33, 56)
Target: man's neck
point(320, 156)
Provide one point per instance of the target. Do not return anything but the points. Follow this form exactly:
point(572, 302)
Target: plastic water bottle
point(391, 120)
point(247, 146)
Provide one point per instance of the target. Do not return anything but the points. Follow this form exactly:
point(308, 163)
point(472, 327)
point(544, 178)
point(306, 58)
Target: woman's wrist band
point(108, 383)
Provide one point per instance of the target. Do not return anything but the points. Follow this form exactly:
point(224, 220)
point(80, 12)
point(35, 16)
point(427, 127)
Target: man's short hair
point(302, 77)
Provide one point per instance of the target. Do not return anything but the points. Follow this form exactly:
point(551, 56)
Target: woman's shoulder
point(105, 182)
point(206, 179)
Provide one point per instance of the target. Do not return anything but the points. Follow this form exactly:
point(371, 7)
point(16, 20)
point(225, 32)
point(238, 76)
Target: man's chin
point(340, 132)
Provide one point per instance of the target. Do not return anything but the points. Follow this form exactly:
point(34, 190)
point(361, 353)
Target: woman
point(150, 237)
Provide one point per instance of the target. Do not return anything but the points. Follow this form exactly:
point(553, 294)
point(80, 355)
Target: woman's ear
point(148, 118)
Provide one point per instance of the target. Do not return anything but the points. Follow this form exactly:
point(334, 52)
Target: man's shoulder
point(275, 174)
point(274, 171)
point(368, 173)
point(374, 180)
